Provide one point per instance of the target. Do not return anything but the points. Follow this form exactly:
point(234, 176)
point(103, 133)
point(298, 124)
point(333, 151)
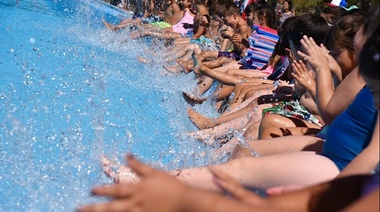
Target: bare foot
point(108, 25)
point(200, 121)
point(193, 100)
point(142, 59)
point(198, 65)
point(106, 167)
point(135, 34)
point(123, 174)
point(185, 65)
point(200, 79)
point(169, 56)
point(202, 137)
point(173, 69)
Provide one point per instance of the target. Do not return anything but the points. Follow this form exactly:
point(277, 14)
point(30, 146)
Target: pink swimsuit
point(178, 27)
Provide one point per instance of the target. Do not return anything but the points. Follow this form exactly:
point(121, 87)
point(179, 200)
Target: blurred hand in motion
point(235, 189)
point(156, 191)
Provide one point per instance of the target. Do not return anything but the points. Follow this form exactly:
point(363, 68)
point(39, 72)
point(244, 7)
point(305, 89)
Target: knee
point(269, 121)
point(249, 94)
point(230, 71)
point(240, 152)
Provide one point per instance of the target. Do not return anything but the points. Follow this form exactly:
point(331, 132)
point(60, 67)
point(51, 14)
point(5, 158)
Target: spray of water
point(76, 91)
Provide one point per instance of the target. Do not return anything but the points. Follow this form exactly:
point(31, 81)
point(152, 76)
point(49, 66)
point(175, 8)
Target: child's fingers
point(138, 167)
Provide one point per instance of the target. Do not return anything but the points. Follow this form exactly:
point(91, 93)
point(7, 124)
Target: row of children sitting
point(322, 119)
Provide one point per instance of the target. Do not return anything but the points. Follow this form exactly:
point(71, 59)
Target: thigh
point(278, 145)
point(296, 168)
point(273, 132)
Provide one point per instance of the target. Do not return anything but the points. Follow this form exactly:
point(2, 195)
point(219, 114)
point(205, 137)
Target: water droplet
point(32, 40)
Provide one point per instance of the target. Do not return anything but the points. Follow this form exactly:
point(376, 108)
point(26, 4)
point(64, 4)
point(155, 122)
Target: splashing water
point(245, 144)
point(71, 90)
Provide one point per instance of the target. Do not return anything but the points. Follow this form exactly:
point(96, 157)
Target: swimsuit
point(152, 18)
point(161, 24)
point(351, 131)
point(291, 109)
point(178, 27)
point(279, 69)
point(205, 43)
point(232, 55)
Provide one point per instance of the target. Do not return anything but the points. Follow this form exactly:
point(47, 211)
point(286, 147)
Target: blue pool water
point(70, 90)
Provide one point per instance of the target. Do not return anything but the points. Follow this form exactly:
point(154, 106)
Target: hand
point(284, 87)
point(230, 185)
point(314, 54)
point(303, 76)
point(236, 38)
point(283, 189)
point(229, 32)
point(156, 191)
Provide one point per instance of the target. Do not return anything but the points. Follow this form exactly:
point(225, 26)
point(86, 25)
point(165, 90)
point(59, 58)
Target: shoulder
point(175, 6)
point(246, 30)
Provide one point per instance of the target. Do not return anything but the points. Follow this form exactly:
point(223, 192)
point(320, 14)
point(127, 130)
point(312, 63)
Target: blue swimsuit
point(351, 131)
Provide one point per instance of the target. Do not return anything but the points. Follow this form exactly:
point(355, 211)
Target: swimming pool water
point(71, 90)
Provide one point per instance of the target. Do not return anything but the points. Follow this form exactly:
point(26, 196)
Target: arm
point(175, 7)
point(201, 30)
point(330, 103)
point(308, 102)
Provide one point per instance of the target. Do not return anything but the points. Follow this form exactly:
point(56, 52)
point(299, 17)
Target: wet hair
point(249, 8)
point(342, 33)
point(232, 9)
point(218, 7)
point(369, 56)
point(208, 19)
point(310, 25)
point(334, 11)
point(373, 20)
point(219, 10)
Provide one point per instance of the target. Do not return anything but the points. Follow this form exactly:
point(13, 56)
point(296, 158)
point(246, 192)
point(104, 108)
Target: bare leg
point(203, 87)
point(237, 147)
point(207, 83)
point(295, 168)
point(223, 91)
point(274, 120)
point(249, 73)
point(274, 132)
point(241, 124)
point(193, 100)
point(203, 122)
point(210, 135)
point(242, 98)
point(109, 26)
point(187, 65)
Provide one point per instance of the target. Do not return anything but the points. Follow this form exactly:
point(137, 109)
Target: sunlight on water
point(71, 90)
